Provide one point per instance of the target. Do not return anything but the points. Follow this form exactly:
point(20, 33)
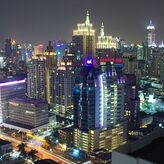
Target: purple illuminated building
point(98, 99)
point(10, 88)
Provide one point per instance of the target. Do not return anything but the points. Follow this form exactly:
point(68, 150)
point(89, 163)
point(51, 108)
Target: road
point(45, 153)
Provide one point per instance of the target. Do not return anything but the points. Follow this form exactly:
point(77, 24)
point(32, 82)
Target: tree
point(32, 154)
point(21, 148)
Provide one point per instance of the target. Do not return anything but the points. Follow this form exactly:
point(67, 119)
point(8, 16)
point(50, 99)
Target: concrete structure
point(28, 112)
point(9, 88)
point(120, 154)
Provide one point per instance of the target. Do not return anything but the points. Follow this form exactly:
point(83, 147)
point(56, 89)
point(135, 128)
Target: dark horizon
point(38, 21)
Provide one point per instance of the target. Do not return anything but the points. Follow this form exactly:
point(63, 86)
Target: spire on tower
point(87, 21)
point(150, 26)
point(102, 30)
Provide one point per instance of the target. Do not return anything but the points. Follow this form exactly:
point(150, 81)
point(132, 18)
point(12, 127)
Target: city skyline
point(40, 21)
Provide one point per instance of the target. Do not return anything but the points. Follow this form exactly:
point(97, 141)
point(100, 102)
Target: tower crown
point(150, 26)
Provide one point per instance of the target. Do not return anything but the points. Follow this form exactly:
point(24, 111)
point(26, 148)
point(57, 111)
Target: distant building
point(10, 88)
point(151, 35)
point(106, 42)
point(28, 111)
point(83, 39)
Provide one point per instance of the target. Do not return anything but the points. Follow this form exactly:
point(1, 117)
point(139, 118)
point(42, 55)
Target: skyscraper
point(106, 42)
point(98, 99)
point(36, 78)
point(41, 74)
point(64, 82)
point(131, 101)
point(151, 35)
point(83, 39)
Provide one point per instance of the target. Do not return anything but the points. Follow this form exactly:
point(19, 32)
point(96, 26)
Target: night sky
point(37, 21)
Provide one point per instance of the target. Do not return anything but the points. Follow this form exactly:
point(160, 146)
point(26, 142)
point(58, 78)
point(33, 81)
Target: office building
point(28, 111)
point(83, 39)
point(98, 100)
point(10, 88)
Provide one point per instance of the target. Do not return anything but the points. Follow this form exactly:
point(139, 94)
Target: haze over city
point(37, 21)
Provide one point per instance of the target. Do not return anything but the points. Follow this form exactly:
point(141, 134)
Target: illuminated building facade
point(151, 35)
point(64, 82)
point(99, 107)
point(106, 42)
point(83, 39)
point(51, 63)
point(41, 72)
point(28, 111)
point(8, 89)
point(36, 79)
point(61, 49)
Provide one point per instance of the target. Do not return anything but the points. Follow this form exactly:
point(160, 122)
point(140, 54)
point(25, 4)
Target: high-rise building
point(41, 72)
point(51, 64)
point(132, 101)
point(98, 99)
point(64, 82)
point(61, 49)
point(106, 42)
point(36, 78)
point(83, 39)
point(151, 35)
point(10, 88)
point(28, 111)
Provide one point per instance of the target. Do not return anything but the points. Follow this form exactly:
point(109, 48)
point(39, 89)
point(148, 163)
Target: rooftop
point(152, 152)
point(28, 100)
point(12, 78)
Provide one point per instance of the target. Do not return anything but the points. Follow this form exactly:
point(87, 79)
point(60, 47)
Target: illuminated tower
point(64, 82)
point(51, 64)
point(41, 74)
point(98, 99)
point(106, 42)
point(151, 35)
point(36, 79)
point(83, 39)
